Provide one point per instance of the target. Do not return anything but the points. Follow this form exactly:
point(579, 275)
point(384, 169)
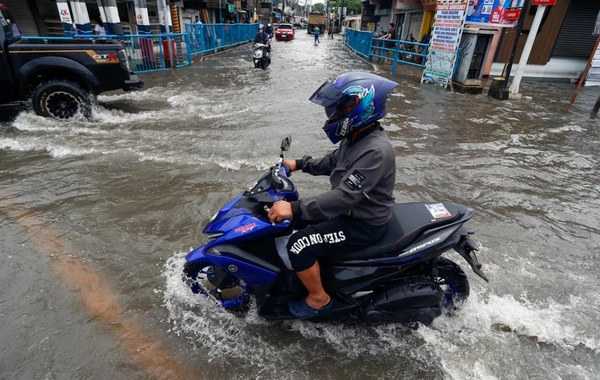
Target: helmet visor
point(326, 96)
point(335, 113)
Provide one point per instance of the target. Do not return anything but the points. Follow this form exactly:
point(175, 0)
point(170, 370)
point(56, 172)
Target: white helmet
point(269, 25)
point(261, 26)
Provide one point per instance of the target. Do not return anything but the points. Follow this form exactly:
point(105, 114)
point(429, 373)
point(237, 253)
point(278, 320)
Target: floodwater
point(96, 218)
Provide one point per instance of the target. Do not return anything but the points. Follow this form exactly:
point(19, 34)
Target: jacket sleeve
point(357, 182)
point(319, 166)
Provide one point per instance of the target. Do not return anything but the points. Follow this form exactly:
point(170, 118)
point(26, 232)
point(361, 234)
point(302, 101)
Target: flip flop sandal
point(301, 310)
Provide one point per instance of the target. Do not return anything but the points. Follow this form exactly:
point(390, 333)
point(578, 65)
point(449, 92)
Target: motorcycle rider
point(361, 171)
point(262, 37)
point(269, 30)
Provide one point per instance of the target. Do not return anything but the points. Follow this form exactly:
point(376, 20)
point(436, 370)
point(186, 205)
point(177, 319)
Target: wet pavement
point(96, 218)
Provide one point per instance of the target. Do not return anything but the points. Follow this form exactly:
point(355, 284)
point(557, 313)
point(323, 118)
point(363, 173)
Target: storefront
point(562, 45)
point(408, 17)
point(24, 15)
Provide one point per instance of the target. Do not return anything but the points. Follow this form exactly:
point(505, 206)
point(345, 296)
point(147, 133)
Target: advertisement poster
point(445, 38)
point(63, 11)
point(491, 12)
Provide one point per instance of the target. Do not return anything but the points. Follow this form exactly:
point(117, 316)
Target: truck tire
point(61, 99)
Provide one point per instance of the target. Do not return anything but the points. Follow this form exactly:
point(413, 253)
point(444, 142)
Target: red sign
point(543, 2)
point(429, 5)
point(512, 14)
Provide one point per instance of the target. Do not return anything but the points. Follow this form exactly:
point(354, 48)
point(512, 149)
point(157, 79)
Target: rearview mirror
point(285, 143)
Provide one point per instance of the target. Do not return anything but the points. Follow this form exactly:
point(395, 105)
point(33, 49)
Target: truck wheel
point(61, 99)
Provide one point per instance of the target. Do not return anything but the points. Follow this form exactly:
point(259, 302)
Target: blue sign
point(491, 11)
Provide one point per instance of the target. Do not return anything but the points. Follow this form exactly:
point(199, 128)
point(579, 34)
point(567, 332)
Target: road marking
point(96, 295)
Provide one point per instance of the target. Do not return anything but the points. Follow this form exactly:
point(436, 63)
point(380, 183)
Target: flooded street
point(97, 217)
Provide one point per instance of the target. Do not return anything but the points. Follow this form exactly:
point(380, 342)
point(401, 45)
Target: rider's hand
point(279, 211)
point(290, 164)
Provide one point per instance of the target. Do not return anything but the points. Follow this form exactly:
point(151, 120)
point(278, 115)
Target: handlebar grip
point(288, 170)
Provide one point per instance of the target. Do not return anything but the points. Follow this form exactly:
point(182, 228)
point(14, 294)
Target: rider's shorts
point(339, 234)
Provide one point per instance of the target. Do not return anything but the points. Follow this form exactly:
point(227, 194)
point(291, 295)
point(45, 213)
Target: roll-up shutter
point(575, 39)
point(24, 18)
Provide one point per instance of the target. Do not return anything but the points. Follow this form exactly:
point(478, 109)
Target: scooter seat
point(408, 221)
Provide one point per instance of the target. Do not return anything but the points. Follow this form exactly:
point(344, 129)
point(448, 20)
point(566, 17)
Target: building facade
point(42, 18)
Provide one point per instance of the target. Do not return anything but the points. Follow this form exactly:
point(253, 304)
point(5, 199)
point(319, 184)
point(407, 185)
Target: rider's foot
point(302, 310)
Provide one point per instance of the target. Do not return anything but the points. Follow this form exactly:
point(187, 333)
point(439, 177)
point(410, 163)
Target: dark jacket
point(362, 174)
point(261, 38)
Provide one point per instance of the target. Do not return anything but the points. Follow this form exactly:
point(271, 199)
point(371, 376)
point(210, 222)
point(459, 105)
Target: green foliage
point(319, 7)
point(351, 6)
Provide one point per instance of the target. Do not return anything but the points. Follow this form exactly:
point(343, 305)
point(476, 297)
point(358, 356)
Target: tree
point(350, 5)
point(319, 7)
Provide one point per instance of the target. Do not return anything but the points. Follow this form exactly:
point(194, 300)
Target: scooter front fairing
point(245, 217)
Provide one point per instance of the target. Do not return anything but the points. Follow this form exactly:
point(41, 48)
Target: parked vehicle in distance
point(284, 32)
point(352, 22)
point(316, 19)
point(61, 77)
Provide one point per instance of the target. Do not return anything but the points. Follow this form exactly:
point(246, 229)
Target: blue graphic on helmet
point(352, 101)
point(364, 108)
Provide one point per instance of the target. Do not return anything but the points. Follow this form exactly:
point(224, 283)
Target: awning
point(241, 11)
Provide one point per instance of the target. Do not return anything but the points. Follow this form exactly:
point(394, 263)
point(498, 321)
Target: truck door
point(7, 84)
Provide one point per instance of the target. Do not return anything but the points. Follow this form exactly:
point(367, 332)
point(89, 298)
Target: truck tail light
point(124, 61)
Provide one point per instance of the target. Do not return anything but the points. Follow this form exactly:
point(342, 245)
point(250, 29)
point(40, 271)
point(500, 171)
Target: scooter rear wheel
point(204, 278)
point(453, 281)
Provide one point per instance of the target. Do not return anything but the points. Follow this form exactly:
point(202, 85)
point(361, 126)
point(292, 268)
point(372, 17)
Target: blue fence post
point(395, 62)
point(189, 46)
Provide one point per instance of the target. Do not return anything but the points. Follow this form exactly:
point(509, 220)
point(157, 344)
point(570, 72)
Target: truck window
point(9, 24)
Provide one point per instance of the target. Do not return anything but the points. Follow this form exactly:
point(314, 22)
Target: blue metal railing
point(156, 52)
point(359, 41)
point(210, 38)
point(384, 50)
point(146, 52)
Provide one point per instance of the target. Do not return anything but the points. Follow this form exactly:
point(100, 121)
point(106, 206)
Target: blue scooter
point(402, 278)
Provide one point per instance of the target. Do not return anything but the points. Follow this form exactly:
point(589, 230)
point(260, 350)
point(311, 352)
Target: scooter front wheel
point(213, 281)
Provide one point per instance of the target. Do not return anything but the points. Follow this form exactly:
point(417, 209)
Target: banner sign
point(493, 12)
point(543, 2)
point(512, 14)
point(63, 11)
point(445, 38)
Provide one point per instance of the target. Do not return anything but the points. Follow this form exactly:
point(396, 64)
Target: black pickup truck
point(60, 77)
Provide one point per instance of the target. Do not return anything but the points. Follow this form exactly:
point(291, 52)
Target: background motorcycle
point(402, 278)
point(408, 50)
point(262, 57)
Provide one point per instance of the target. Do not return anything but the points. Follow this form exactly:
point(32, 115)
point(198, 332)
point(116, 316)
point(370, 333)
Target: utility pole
point(514, 87)
point(498, 86)
point(341, 14)
point(515, 46)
